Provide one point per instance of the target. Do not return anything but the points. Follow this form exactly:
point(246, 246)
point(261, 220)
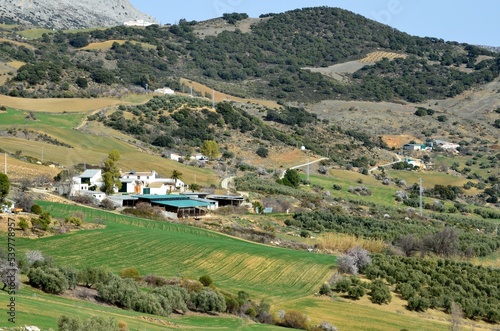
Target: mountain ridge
point(67, 14)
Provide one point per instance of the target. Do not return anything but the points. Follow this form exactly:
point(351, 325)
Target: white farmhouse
point(138, 23)
point(89, 178)
point(165, 90)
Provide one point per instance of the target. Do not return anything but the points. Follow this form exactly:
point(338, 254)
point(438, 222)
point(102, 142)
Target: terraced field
point(377, 56)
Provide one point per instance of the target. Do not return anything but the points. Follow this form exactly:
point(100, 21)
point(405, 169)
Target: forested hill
point(268, 61)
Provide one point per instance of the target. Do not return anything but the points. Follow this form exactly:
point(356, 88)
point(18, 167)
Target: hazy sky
point(475, 22)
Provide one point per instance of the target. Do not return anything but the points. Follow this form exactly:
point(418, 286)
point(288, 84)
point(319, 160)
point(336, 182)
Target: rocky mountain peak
point(70, 14)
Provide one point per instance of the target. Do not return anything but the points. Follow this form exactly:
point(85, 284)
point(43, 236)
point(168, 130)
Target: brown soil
point(17, 169)
point(397, 141)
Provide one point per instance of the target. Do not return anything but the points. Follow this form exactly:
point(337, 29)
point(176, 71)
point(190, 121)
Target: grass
point(219, 96)
point(17, 43)
point(15, 64)
point(233, 264)
point(475, 168)
point(37, 33)
point(380, 193)
point(90, 148)
point(429, 178)
point(55, 105)
point(106, 45)
point(288, 278)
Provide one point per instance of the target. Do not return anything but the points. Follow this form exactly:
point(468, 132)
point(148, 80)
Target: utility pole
point(191, 91)
point(308, 169)
point(421, 191)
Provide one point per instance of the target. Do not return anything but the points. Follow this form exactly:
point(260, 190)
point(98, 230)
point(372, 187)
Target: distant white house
point(89, 178)
point(97, 195)
point(175, 156)
point(149, 183)
point(138, 23)
point(165, 90)
point(199, 157)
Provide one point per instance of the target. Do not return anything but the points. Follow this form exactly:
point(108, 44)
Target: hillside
point(66, 14)
point(368, 161)
point(264, 58)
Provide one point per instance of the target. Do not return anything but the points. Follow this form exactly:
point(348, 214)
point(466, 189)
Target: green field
point(288, 278)
point(89, 147)
point(178, 249)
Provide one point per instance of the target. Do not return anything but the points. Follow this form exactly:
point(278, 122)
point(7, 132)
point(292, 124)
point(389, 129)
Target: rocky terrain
point(67, 14)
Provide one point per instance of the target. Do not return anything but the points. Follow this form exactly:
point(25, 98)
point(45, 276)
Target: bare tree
point(445, 242)
point(34, 256)
point(24, 200)
point(25, 183)
point(354, 260)
point(409, 244)
point(456, 317)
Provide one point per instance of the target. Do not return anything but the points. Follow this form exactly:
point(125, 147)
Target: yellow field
point(105, 45)
point(377, 56)
point(219, 96)
point(59, 105)
point(17, 169)
point(17, 43)
point(398, 141)
point(363, 315)
point(16, 64)
point(5, 69)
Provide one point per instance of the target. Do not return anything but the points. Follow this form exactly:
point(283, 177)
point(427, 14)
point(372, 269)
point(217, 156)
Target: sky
point(474, 22)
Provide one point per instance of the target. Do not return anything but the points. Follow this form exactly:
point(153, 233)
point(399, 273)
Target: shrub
point(296, 320)
point(208, 301)
point(206, 280)
point(74, 220)
point(23, 224)
point(66, 323)
point(262, 152)
point(418, 303)
point(325, 289)
point(48, 279)
point(131, 273)
point(42, 222)
point(356, 292)
point(380, 292)
point(36, 209)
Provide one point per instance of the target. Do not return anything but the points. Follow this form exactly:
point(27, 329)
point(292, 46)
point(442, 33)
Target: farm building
point(96, 195)
point(89, 178)
point(165, 90)
point(138, 23)
point(414, 147)
point(149, 183)
point(180, 205)
point(227, 200)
